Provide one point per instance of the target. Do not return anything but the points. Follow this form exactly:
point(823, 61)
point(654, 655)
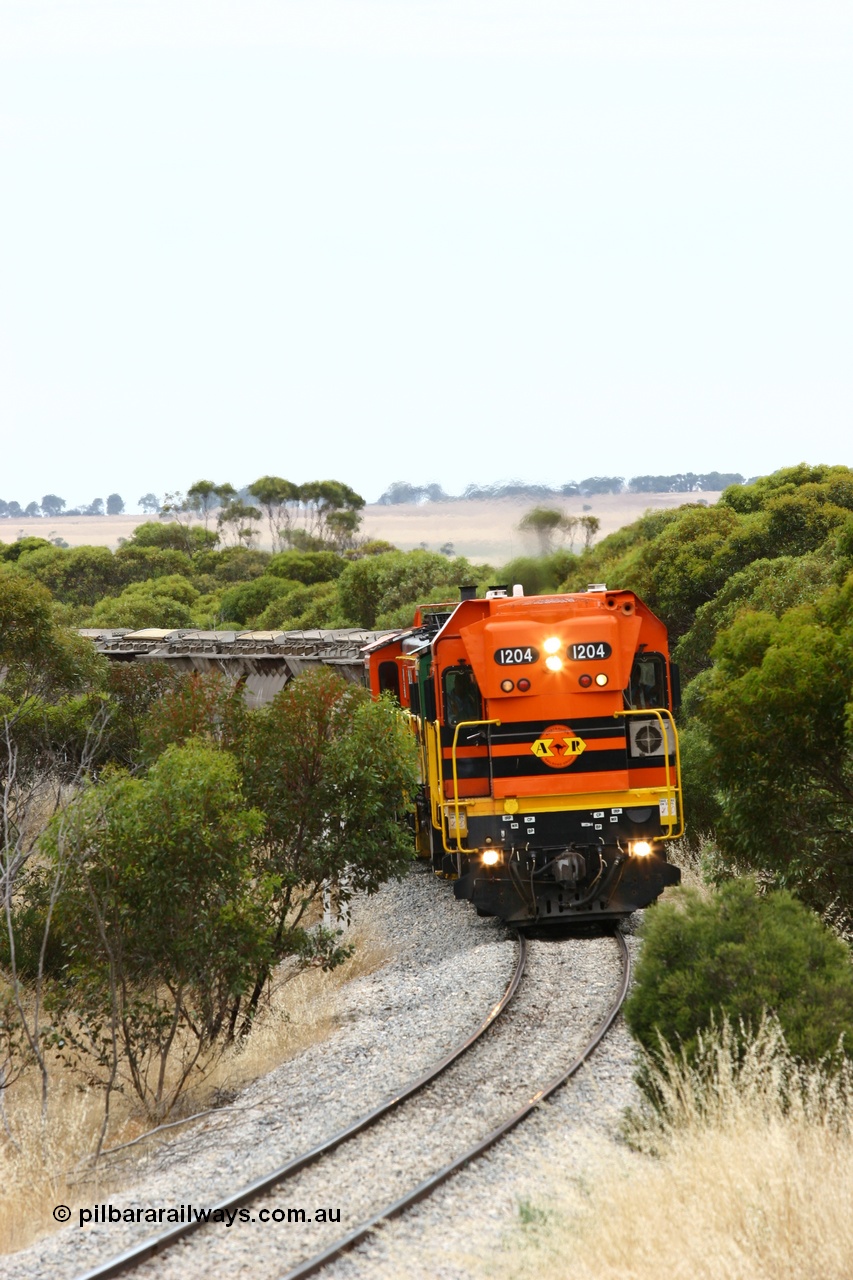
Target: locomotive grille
point(646, 739)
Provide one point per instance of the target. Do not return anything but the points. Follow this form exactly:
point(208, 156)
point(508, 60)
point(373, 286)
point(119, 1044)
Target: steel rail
point(426, 1188)
point(139, 1253)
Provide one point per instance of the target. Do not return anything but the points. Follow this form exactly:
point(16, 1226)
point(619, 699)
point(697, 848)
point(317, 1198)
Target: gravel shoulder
point(449, 966)
point(448, 969)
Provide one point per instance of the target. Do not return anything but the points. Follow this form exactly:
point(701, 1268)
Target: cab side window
point(389, 678)
point(461, 696)
point(648, 682)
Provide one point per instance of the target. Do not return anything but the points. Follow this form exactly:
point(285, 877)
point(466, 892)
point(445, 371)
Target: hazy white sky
point(414, 239)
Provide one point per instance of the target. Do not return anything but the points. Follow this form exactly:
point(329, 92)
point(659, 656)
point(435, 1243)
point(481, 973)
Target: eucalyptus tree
point(279, 501)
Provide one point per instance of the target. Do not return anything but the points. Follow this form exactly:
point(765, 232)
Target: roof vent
point(597, 586)
point(496, 593)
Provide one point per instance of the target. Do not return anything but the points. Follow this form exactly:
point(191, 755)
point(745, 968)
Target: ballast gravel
point(449, 968)
point(461, 1231)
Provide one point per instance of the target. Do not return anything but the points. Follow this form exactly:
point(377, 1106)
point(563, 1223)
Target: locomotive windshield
point(461, 696)
point(648, 682)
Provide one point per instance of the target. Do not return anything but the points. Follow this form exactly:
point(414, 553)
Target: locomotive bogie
point(628, 884)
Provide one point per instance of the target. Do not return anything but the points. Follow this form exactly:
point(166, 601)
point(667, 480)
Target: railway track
point(131, 1259)
point(495, 1065)
point(320, 1260)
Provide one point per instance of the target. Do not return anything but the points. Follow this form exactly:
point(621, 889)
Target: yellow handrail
point(674, 794)
point(463, 724)
point(433, 739)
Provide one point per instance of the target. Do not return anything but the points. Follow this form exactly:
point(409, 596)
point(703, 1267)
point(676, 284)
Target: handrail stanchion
point(673, 794)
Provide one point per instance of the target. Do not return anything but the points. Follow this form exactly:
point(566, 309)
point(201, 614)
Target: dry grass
point(36, 1155)
point(43, 1163)
point(691, 859)
point(752, 1179)
point(302, 1008)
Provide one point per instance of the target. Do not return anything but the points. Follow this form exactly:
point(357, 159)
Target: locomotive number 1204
point(587, 652)
point(516, 657)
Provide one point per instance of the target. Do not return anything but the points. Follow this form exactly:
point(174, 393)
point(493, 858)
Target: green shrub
point(139, 563)
point(701, 797)
point(172, 534)
point(245, 601)
point(234, 564)
point(14, 550)
point(159, 602)
point(302, 609)
point(403, 615)
point(371, 588)
point(81, 575)
point(307, 566)
point(738, 954)
point(770, 586)
point(539, 575)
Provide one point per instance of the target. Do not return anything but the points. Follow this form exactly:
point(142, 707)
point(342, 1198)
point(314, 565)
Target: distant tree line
point(687, 482)
point(286, 499)
point(313, 516)
point(316, 516)
point(52, 507)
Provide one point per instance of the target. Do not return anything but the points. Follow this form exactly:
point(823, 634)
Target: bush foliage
point(165, 891)
point(738, 955)
point(162, 844)
point(756, 593)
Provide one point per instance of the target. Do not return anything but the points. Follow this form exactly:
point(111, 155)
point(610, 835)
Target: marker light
point(601, 679)
point(490, 857)
point(585, 680)
point(641, 848)
point(554, 663)
point(523, 685)
point(507, 686)
point(552, 644)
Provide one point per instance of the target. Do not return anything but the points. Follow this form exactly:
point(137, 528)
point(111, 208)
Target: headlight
point(554, 663)
point(491, 857)
point(641, 848)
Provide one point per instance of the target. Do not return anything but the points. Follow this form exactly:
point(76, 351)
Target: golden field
point(482, 531)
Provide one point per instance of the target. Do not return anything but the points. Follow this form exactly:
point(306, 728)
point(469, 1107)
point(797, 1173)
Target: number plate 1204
point(590, 651)
point(519, 656)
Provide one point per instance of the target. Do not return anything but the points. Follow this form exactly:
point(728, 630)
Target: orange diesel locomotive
point(549, 754)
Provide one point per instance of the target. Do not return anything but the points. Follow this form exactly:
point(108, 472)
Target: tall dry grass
point(302, 1008)
point(698, 860)
point(744, 1173)
point(45, 1161)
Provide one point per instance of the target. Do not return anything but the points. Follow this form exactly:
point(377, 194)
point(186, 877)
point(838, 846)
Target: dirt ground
point(482, 531)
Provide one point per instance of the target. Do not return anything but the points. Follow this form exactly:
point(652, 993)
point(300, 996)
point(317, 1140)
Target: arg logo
point(558, 747)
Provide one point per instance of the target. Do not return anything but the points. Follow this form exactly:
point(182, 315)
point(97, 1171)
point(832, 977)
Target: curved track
point(425, 1188)
point(140, 1253)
